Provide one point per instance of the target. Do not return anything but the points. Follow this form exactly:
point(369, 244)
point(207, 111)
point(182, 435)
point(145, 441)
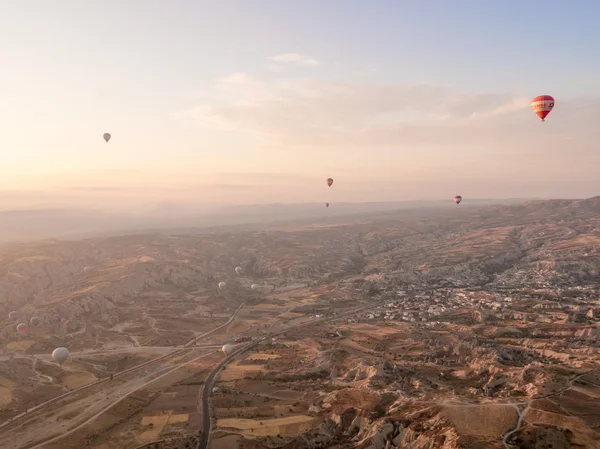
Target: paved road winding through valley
point(210, 380)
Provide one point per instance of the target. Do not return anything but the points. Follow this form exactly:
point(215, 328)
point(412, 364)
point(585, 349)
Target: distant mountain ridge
point(586, 206)
point(36, 224)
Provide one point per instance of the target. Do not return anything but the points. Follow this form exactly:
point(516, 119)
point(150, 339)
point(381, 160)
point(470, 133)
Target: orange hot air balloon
point(329, 181)
point(457, 199)
point(542, 106)
point(326, 204)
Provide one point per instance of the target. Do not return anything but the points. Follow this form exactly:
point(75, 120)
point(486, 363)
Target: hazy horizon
point(35, 224)
point(50, 201)
point(259, 102)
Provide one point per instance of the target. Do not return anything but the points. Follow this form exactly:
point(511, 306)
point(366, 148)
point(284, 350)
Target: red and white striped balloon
point(542, 106)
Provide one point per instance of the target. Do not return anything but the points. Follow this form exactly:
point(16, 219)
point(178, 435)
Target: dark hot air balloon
point(329, 181)
point(457, 199)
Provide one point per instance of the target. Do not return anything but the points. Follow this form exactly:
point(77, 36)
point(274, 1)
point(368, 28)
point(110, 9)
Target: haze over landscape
point(299, 225)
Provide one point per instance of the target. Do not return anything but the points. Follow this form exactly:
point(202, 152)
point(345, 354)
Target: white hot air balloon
point(87, 269)
point(13, 315)
point(254, 286)
point(222, 285)
point(107, 137)
point(227, 349)
point(238, 270)
point(60, 355)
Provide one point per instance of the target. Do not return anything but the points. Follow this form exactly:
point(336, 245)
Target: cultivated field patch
point(492, 420)
point(286, 426)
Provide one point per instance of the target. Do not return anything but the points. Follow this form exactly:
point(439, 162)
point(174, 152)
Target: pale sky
point(259, 101)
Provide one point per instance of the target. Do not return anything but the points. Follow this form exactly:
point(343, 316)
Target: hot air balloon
point(542, 106)
point(329, 181)
point(457, 199)
point(227, 349)
point(107, 137)
point(222, 285)
point(60, 355)
point(87, 269)
point(254, 286)
point(238, 270)
point(22, 328)
point(13, 315)
point(326, 204)
point(35, 321)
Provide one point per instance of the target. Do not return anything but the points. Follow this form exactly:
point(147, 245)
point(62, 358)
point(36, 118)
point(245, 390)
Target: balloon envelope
point(227, 349)
point(457, 199)
point(22, 329)
point(238, 270)
point(60, 355)
point(107, 137)
point(326, 204)
point(542, 106)
point(35, 321)
point(87, 269)
point(13, 315)
point(329, 181)
point(222, 285)
point(254, 286)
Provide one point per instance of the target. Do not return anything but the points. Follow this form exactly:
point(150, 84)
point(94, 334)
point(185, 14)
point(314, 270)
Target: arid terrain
point(474, 327)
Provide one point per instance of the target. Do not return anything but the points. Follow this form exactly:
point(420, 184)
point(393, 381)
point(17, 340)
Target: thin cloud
point(518, 104)
point(233, 186)
point(298, 112)
point(252, 177)
point(296, 59)
point(94, 188)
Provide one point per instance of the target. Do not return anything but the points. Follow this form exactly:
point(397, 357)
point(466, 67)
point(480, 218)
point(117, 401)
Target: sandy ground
point(5, 396)
point(158, 423)
point(76, 380)
point(224, 442)
point(262, 356)
point(19, 346)
point(484, 420)
point(377, 332)
point(234, 371)
point(287, 426)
